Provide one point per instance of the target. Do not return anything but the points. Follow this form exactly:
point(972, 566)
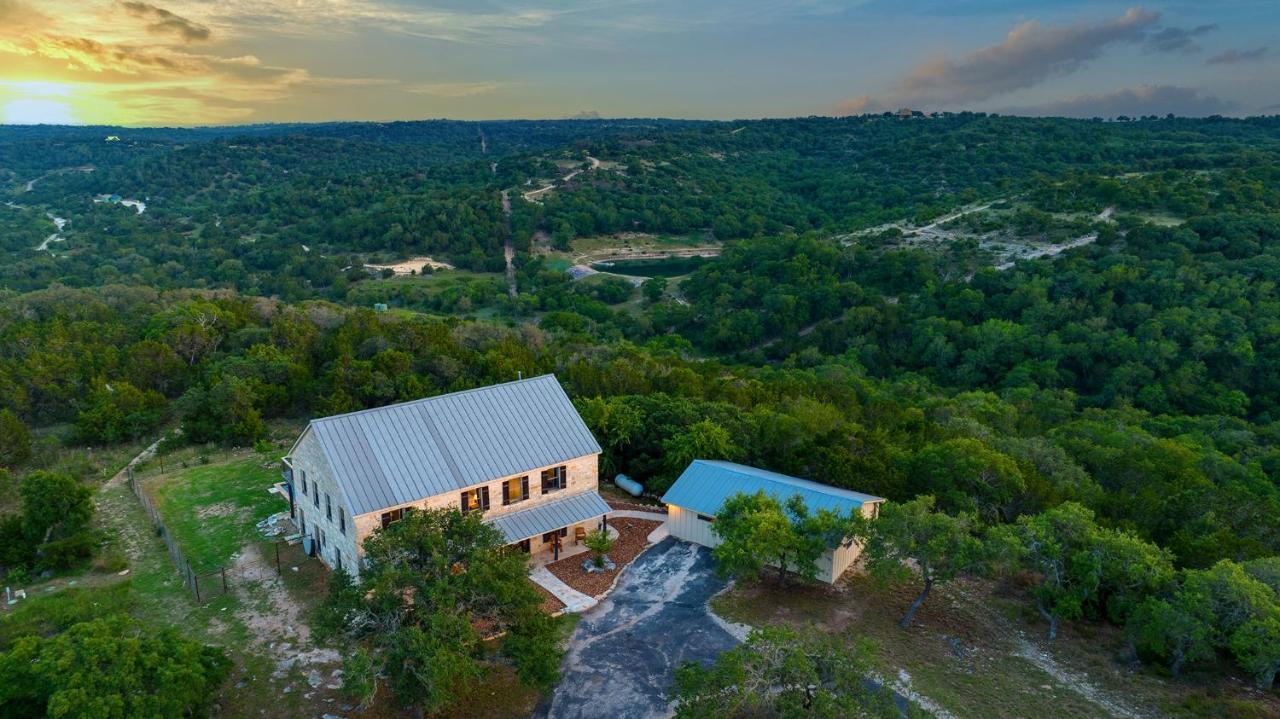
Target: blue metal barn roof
point(402, 453)
point(706, 483)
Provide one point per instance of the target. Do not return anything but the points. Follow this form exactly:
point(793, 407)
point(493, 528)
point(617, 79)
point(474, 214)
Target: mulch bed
point(632, 536)
point(624, 506)
point(550, 603)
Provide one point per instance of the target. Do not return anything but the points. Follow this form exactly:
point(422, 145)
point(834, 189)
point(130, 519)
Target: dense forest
point(1128, 383)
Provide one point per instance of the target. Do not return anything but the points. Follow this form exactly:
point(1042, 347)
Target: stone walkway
point(574, 601)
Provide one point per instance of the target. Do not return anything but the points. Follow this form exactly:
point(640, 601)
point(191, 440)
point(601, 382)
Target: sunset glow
point(194, 62)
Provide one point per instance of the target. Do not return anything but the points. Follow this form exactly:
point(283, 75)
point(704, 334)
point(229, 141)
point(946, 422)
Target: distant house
point(698, 494)
point(518, 452)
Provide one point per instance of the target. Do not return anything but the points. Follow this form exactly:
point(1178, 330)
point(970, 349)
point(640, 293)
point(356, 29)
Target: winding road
point(533, 195)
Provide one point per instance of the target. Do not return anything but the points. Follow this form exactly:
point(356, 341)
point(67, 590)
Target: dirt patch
point(1077, 681)
point(221, 509)
point(635, 506)
point(633, 537)
point(413, 265)
point(277, 617)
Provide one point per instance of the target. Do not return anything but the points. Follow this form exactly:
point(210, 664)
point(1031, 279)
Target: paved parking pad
point(623, 653)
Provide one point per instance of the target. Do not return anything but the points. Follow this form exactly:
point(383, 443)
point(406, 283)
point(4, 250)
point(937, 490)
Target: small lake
point(656, 267)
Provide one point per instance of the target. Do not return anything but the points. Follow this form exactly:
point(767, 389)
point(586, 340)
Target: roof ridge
point(424, 400)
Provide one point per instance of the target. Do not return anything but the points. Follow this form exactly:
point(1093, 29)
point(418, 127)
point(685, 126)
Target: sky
point(205, 62)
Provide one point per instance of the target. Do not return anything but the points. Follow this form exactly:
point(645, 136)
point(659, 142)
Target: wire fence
point(203, 585)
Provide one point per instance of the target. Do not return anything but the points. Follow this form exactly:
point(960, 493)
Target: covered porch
point(553, 530)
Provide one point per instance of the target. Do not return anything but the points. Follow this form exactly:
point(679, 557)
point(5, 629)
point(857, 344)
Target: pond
point(655, 267)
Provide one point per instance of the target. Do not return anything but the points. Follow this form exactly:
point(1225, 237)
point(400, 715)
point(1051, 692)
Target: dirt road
point(533, 195)
point(509, 250)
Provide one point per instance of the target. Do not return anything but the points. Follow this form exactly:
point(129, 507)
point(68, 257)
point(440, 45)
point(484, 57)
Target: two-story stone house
point(517, 451)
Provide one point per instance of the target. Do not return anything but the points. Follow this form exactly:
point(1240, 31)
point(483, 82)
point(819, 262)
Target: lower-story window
point(524, 546)
point(550, 536)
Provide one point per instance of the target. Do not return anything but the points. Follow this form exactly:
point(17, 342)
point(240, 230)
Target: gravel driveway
point(623, 653)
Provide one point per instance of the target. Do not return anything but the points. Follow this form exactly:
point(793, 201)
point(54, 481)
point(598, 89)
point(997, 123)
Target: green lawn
point(212, 509)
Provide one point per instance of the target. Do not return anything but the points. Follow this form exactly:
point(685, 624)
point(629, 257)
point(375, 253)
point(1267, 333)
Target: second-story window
point(328, 508)
point(553, 479)
point(342, 520)
point(315, 495)
point(304, 482)
point(515, 490)
point(394, 515)
point(475, 499)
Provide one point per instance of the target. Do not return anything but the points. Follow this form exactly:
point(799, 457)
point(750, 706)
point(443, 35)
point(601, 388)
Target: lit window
point(553, 479)
point(515, 490)
point(475, 499)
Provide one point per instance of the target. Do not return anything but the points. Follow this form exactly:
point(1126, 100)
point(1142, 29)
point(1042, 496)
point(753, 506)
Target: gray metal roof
point(548, 516)
point(403, 453)
point(705, 484)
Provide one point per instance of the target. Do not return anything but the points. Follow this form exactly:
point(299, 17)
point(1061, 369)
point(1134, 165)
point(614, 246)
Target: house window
point(302, 521)
point(550, 536)
point(304, 483)
point(553, 479)
point(328, 508)
point(475, 499)
point(524, 546)
point(342, 520)
point(705, 518)
point(394, 515)
point(515, 490)
point(315, 495)
point(337, 557)
point(322, 539)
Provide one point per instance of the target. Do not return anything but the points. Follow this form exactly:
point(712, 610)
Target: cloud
point(454, 89)
point(115, 68)
point(1176, 39)
point(164, 22)
point(1134, 101)
point(1233, 56)
point(1030, 54)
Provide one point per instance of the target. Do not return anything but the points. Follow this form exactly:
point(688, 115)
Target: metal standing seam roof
point(403, 453)
point(548, 516)
point(705, 484)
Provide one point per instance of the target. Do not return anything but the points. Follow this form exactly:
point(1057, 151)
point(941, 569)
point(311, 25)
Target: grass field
point(211, 510)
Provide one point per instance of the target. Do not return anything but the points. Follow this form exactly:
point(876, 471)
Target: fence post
point(278, 572)
point(196, 579)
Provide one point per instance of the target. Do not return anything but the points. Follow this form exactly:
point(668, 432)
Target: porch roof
point(549, 516)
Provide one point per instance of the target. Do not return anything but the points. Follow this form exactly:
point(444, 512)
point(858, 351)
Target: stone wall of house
point(322, 509)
